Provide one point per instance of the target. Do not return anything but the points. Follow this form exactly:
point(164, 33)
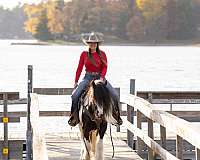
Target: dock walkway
point(67, 147)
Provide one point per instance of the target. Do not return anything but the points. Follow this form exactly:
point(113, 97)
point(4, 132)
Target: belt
point(93, 73)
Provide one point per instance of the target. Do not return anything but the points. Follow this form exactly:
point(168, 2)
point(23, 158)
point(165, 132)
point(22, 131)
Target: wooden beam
point(130, 116)
point(175, 101)
point(5, 115)
point(42, 113)
point(11, 119)
point(10, 95)
point(139, 143)
point(150, 142)
point(179, 126)
point(163, 137)
point(151, 154)
point(197, 153)
point(53, 91)
point(18, 101)
point(15, 149)
point(39, 143)
point(57, 91)
point(179, 147)
point(169, 94)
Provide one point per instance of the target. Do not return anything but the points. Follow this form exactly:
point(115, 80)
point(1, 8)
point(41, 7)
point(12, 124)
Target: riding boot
point(74, 117)
point(73, 120)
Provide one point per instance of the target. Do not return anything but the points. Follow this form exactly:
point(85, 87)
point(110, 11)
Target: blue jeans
point(83, 85)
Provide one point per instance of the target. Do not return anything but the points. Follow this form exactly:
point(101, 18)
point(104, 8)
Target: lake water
point(154, 68)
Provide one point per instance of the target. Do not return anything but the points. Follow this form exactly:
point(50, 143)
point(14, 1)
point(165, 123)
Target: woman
point(95, 62)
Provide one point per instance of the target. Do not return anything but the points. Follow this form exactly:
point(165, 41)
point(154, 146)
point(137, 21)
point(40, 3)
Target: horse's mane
point(100, 95)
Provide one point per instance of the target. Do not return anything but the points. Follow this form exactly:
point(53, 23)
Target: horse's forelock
point(98, 97)
point(102, 97)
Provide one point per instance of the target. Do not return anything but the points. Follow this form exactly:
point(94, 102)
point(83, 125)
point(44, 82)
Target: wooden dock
point(139, 111)
point(67, 147)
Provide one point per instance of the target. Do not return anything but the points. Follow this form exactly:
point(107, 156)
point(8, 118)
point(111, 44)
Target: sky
point(12, 3)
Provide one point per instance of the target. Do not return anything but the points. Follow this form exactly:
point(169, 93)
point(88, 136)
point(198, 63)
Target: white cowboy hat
point(92, 37)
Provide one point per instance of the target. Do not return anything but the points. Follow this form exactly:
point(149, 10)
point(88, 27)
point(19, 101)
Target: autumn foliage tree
point(135, 20)
point(37, 22)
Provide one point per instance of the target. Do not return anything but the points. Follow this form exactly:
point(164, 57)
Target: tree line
point(133, 20)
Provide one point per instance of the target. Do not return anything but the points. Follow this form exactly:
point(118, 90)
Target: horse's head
point(101, 105)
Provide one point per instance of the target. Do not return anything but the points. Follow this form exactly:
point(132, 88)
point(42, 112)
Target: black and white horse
point(97, 108)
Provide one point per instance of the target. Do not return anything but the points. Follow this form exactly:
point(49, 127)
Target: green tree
point(182, 22)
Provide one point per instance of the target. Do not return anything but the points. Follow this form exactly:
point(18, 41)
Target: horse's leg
point(87, 145)
point(99, 148)
point(82, 143)
point(93, 140)
point(87, 150)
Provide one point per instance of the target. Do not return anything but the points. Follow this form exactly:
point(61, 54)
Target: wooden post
point(197, 154)
point(5, 121)
point(130, 116)
point(179, 147)
point(39, 143)
point(163, 137)
point(29, 137)
point(139, 143)
point(151, 154)
point(120, 108)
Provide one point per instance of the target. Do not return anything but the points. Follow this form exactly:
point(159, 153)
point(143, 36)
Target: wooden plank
point(151, 154)
point(15, 149)
point(5, 115)
point(63, 148)
point(18, 101)
point(10, 95)
point(170, 94)
point(139, 143)
point(53, 91)
point(174, 101)
point(57, 91)
point(163, 137)
point(197, 154)
point(11, 119)
point(150, 142)
point(130, 116)
point(120, 107)
point(130, 135)
point(15, 114)
point(171, 146)
point(179, 147)
point(191, 116)
point(42, 113)
point(39, 143)
point(189, 155)
point(179, 126)
point(29, 133)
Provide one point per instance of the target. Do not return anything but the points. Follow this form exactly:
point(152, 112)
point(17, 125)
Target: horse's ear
point(105, 82)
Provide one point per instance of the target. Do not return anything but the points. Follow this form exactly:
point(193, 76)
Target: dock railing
point(183, 129)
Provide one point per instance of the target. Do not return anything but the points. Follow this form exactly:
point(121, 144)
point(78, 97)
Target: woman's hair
point(89, 54)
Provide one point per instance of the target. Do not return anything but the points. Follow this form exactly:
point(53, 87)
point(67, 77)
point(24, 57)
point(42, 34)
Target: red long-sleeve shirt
point(89, 66)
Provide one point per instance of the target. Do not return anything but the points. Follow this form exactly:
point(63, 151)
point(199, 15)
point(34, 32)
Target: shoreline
point(64, 43)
